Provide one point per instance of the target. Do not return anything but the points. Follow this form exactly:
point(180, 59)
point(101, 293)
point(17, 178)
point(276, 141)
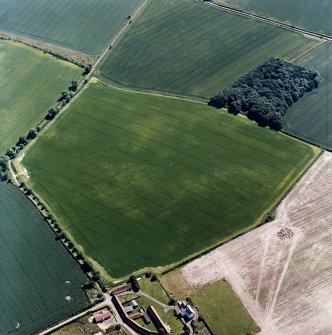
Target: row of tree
point(23, 140)
point(267, 92)
point(92, 274)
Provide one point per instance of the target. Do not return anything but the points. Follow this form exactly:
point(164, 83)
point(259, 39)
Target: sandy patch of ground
point(22, 171)
point(282, 271)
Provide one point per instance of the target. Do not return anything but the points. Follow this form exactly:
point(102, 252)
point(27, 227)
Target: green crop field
point(34, 269)
point(223, 310)
point(311, 117)
point(189, 48)
point(141, 180)
point(314, 15)
point(86, 25)
point(30, 82)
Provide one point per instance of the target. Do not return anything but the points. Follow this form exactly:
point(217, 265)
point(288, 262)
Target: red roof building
point(102, 316)
point(122, 288)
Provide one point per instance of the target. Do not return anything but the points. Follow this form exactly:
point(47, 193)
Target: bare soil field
point(282, 271)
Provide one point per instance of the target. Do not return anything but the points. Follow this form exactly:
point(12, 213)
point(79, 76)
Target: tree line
point(23, 140)
point(267, 92)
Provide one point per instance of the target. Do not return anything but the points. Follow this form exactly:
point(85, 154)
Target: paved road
point(267, 20)
point(77, 316)
point(106, 303)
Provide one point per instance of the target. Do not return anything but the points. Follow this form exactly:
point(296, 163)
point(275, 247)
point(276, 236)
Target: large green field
point(314, 15)
point(311, 117)
point(30, 83)
point(86, 25)
point(223, 311)
point(141, 180)
point(190, 48)
point(34, 269)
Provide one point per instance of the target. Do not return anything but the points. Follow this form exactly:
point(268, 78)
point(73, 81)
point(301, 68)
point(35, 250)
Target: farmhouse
point(185, 311)
point(102, 316)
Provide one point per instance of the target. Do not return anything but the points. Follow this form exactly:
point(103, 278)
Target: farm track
point(285, 283)
point(265, 19)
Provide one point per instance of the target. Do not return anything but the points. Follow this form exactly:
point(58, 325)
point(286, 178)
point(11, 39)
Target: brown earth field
point(282, 271)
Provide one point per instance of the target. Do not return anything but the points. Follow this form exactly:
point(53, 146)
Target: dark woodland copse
point(3, 168)
point(266, 93)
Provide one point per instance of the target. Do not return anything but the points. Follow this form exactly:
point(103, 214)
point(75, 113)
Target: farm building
point(128, 309)
point(132, 303)
point(122, 288)
point(146, 318)
point(136, 316)
point(102, 316)
point(185, 311)
point(155, 318)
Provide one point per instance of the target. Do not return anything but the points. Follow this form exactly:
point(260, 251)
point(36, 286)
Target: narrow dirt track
point(283, 276)
point(268, 20)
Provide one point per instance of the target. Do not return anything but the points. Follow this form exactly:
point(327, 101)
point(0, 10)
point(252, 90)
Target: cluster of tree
point(114, 329)
point(3, 168)
point(73, 87)
point(65, 96)
point(186, 330)
point(267, 92)
point(134, 283)
point(87, 69)
point(52, 112)
point(22, 141)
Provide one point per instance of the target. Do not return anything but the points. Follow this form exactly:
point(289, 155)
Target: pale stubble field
point(283, 276)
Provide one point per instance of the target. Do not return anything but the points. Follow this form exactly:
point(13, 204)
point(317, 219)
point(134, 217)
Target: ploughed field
point(313, 15)
point(311, 117)
point(145, 181)
point(37, 273)
point(30, 83)
point(282, 270)
point(186, 47)
point(85, 25)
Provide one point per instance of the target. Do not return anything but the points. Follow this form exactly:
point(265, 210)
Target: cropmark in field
point(186, 47)
point(143, 181)
point(282, 271)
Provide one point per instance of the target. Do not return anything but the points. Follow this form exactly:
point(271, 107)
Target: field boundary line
point(265, 19)
point(161, 93)
point(57, 51)
point(115, 38)
point(309, 51)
